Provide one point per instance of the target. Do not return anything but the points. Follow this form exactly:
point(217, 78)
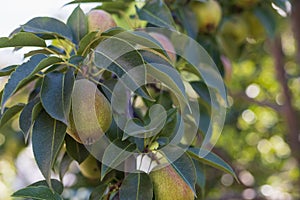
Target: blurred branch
point(244, 97)
point(295, 17)
point(288, 111)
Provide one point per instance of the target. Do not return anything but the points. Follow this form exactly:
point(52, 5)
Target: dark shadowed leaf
point(188, 20)
point(56, 185)
point(76, 150)
point(22, 39)
point(47, 138)
point(64, 165)
point(268, 18)
point(202, 90)
point(48, 25)
point(56, 94)
point(26, 120)
point(136, 186)
point(24, 73)
point(156, 12)
point(78, 24)
point(98, 192)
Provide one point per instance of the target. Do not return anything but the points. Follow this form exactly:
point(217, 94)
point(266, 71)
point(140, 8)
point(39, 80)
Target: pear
point(100, 20)
point(235, 28)
point(90, 115)
point(168, 185)
point(166, 44)
point(208, 15)
point(89, 168)
point(256, 30)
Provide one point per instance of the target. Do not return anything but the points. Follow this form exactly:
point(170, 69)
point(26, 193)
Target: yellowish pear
point(208, 15)
point(168, 185)
point(89, 168)
point(90, 116)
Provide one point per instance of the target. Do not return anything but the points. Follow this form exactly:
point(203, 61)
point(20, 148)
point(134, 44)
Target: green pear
point(89, 168)
point(168, 185)
point(166, 44)
point(90, 116)
point(208, 15)
point(256, 30)
point(235, 28)
point(100, 20)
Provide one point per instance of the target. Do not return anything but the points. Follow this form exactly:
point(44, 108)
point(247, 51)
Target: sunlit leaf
point(9, 113)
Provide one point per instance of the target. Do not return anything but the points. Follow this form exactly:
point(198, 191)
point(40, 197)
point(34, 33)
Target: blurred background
point(255, 137)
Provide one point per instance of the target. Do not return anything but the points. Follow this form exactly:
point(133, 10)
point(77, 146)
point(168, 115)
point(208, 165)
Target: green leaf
point(57, 185)
point(76, 150)
point(47, 138)
point(211, 159)
point(24, 73)
point(38, 193)
point(201, 89)
point(98, 192)
point(201, 178)
point(188, 20)
point(115, 154)
point(8, 70)
point(283, 4)
point(184, 166)
point(78, 24)
point(157, 13)
point(86, 43)
point(10, 113)
point(56, 94)
point(136, 186)
point(48, 25)
point(26, 120)
point(64, 165)
point(267, 17)
point(86, 1)
point(22, 39)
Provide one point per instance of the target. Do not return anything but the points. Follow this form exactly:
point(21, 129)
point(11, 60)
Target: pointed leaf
point(26, 120)
point(48, 25)
point(157, 13)
point(47, 138)
point(64, 165)
point(22, 39)
point(8, 70)
point(136, 186)
point(56, 94)
point(37, 192)
point(24, 73)
point(185, 168)
point(57, 185)
point(211, 159)
point(78, 24)
point(10, 113)
point(76, 150)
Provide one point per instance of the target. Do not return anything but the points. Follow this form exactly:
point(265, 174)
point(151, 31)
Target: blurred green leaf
point(22, 39)
point(211, 159)
point(136, 186)
point(47, 138)
point(64, 165)
point(48, 25)
point(188, 20)
point(268, 18)
point(157, 13)
point(283, 4)
point(201, 89)
point(98, 192)
point(78, 24)
point(37, 193)
point(9, 113)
